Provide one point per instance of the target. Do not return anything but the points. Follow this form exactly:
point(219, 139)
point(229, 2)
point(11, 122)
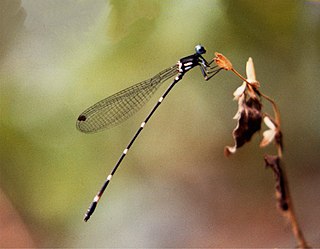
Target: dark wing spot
point(82, 118)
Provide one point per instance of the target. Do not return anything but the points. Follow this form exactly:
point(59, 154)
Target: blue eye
point(200, 49)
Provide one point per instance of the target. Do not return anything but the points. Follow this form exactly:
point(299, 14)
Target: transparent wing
point(122, 105)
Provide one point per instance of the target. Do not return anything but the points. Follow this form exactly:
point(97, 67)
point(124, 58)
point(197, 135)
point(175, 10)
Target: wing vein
point(118, 107)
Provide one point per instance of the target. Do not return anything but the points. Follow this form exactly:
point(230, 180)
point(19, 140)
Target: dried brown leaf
point(249, 122)
point(281, 193)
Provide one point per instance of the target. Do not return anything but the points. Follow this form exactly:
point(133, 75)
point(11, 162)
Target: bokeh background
point(175, 188)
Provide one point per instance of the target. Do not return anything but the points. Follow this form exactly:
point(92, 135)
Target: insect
point(118, 107)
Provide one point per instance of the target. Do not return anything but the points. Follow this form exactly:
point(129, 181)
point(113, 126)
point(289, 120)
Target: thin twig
point(296, 230)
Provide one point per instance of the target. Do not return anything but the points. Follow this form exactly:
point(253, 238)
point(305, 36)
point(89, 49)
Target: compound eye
point(200, 49)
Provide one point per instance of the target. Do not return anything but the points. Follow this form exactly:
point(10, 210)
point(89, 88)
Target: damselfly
point(120, 106)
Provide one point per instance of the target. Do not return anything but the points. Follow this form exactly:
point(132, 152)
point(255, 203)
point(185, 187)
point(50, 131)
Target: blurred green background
point(175, 188)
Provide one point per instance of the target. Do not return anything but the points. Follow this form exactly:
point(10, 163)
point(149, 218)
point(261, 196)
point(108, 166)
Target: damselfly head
point(200, 49)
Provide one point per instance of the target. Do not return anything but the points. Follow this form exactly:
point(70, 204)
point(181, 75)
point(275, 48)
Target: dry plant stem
point(296, 230)
point(239, 75)
point(275, 108)
point(277, 118)
point(279, 150)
